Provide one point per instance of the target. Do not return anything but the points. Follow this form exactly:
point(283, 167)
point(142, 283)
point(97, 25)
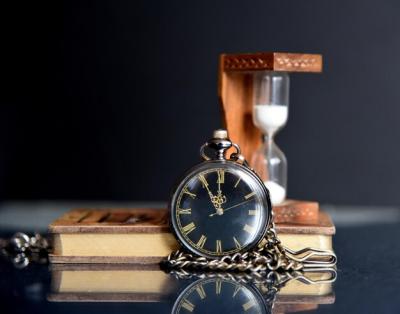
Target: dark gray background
point(111, 99)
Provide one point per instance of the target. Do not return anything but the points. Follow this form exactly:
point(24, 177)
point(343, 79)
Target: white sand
point(277, 192)
point(270, 118)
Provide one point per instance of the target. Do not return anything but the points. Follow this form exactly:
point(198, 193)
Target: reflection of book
point(110, 282)
point(147, 283)
point(143, 235)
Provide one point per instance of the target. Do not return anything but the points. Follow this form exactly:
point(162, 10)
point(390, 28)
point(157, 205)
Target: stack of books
point(143, 236)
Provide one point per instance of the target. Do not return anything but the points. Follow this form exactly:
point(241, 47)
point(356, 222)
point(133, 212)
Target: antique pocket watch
point(221, 214)
point(221, 206)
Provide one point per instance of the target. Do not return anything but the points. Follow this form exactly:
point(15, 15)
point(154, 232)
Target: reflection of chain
point(270, 255)
point(22, 249)
point(277, 278)
point(268, 285)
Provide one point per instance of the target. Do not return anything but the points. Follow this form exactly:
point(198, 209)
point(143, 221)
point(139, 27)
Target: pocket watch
point(221, 206)
point(221, 214)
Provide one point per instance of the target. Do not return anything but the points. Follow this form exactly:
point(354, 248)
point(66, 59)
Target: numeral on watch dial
point(201, 241)
point(187, 211)
point(246, 197)
point(201, 292)
point(218, 245)
point(186, 191)
point(252, 212)
point(218, 286)
point(237, 183)
point(189, 228)
point(237, 243)
point(186, 304)
point(248, 229)
point(221, 176)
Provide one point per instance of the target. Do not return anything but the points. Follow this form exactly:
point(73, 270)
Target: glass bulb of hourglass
point(270, 114)
point(272, 162)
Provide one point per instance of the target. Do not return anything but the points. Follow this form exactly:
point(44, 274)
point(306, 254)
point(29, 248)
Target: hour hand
point(205, 185)
point(217, 200)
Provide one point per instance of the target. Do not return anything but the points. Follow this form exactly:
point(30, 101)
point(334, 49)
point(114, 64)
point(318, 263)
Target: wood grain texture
point(112, 220)
point(291, 216)
point(296, 211)
point(272, 61)
point(323, 226)
point(235, 90)
point(236, 99)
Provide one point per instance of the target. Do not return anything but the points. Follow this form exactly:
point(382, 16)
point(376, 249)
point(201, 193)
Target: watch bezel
point(266, 202)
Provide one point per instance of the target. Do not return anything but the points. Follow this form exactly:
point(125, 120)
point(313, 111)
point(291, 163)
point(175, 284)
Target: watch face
point(215, 295)
point(220, 208)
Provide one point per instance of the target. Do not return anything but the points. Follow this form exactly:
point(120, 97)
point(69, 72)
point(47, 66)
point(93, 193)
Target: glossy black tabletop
point(368, 275)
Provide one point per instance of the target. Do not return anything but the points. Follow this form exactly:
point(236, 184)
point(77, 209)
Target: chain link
point(270, 255)
point(21, 249)
point(268, 285)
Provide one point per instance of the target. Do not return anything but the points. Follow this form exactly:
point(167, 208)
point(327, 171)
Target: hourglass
point(270, 113)
point(254, 94)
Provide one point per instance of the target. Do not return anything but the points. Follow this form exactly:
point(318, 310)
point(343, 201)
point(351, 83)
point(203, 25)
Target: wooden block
point(235, 89)
point(143, 235)
point(323, 226)
point(296, 211)
point(291, 217)
point(112, 220)
point(272, 61)
point(151, 220)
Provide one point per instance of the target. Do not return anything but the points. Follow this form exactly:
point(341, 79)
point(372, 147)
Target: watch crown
point(220, 134)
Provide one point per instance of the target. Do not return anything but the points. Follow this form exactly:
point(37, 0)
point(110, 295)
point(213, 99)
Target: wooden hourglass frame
point(235, 91)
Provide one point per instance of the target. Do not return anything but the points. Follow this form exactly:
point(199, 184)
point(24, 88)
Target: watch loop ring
point(237, 156)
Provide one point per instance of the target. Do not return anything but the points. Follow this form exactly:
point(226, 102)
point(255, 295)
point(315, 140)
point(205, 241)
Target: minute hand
point(226, 209)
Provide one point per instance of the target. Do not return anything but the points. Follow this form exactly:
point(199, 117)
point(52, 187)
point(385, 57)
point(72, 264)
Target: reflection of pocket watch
point(221, 214)
point(221, 206)
point(219, 295)
point(210, 292)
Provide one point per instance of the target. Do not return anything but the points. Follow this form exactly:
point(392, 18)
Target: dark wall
point(112, 99)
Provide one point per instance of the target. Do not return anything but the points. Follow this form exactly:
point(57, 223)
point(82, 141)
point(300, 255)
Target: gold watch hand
point(221, 197)
point(205, 185)
point(218, 209)
point(244, 202)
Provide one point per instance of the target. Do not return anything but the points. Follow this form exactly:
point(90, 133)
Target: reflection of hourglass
point(270, 113)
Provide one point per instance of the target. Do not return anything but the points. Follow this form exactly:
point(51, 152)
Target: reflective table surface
point(367, 281)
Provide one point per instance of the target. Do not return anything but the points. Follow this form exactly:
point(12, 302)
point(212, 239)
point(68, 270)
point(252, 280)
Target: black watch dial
point(220, 209)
